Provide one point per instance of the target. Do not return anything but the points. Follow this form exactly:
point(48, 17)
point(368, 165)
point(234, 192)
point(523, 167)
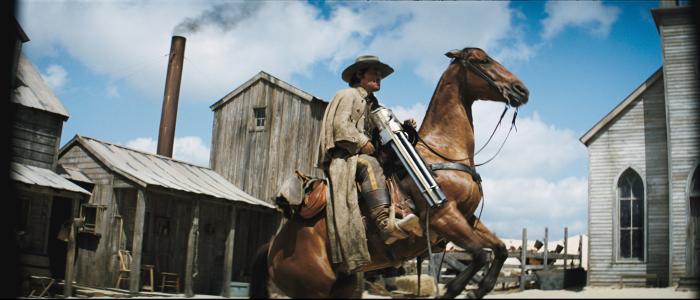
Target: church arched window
point(630, 196)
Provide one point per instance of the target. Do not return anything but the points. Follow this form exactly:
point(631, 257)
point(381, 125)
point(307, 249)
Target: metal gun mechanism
point(391, 132)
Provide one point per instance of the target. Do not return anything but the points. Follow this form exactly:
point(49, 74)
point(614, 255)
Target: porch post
point(545, 253)
point(228, 256)
point(566, 245)
point(70, 253)
point(70, 258)
point(523, 260)
point(135, 267)
point(191, 248)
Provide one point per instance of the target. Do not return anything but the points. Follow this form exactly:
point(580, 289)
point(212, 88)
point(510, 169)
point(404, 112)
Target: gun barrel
point(392, 132)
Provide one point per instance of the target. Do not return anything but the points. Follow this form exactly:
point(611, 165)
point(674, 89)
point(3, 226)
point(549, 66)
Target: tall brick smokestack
point(168, 116)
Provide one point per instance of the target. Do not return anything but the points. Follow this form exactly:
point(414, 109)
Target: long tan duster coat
point(343, 133)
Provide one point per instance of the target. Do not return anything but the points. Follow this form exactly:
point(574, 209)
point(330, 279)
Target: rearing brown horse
point(296, 259)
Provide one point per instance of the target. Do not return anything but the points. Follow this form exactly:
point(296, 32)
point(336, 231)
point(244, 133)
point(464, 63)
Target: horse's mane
point(439, 84)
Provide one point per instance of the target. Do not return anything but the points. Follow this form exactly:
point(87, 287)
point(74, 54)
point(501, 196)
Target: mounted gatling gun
point(391, 132)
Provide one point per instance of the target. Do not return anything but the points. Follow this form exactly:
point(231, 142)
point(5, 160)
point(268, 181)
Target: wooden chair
point(171, 280)
point(124, 266)
point(44, 283)
point(148, 272)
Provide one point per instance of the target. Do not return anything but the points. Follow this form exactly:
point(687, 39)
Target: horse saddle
point(306, 196)
point(302, 195)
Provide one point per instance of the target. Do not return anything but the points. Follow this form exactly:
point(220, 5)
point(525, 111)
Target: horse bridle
point(478, 71)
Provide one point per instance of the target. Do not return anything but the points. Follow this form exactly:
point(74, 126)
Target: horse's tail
point(259, 276)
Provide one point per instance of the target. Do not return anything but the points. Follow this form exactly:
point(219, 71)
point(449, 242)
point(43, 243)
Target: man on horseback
point(345, 153)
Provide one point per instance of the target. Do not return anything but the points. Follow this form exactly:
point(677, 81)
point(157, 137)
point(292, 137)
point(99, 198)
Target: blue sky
point(107, 60)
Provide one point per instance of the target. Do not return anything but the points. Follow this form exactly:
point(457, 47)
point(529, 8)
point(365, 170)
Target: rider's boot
point(383, 215)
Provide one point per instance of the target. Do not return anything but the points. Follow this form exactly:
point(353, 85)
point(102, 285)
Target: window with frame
point(92, 216)
point(259, 114)
point(630, 195)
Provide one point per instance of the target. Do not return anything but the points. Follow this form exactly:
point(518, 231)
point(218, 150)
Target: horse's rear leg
point(451, 224)
point(500, 255)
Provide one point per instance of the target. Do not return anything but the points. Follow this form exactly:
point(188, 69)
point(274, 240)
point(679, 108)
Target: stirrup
point(403, 228)
point(410, 224)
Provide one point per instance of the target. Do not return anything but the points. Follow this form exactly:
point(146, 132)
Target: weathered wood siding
point(213, 228)
point(168, 216)
point(258, 161)
point(635, 139)
point(678, 38)
point(37, 210)
point(36, 136)
point(253, 229)
point(93, 250)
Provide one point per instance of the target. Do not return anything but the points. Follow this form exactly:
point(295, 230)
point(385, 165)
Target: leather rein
point(454, 164)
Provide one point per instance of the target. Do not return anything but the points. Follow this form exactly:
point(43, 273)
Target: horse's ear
point(454, 53)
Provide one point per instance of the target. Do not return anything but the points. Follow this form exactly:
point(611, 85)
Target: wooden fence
point(524, 273)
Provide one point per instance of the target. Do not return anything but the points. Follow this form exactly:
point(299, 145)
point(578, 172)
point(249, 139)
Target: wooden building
point(171, 215)
point(263, 131)
point(644, 174)
point(46, 199)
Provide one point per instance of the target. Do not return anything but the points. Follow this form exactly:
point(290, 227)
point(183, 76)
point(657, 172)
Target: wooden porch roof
point(152, 170)
point(35, 176)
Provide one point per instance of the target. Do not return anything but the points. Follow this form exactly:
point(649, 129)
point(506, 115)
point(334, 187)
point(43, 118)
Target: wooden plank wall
point(637, 140)
point(253, 229)
point(213, 228)
point(258, 162)
point(96, 251)
point(167, 223)
point(37, 211)
point(683, 112)
point(166, 228)
point(36, 137)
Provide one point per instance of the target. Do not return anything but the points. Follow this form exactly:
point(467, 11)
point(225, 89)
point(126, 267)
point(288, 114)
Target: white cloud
point(129, 41)
point(190, 149)
point(427, 30)
point(55, 76)
point(513, 203)
point(535, 181)
point(143, 144)
point(536, 148)
point(530, 183)
point(593, 16)
point(416, 111)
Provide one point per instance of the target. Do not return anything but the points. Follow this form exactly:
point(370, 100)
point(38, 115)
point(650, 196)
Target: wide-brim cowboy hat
point(366, 61)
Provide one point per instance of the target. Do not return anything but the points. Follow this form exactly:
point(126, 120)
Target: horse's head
point(488, 79)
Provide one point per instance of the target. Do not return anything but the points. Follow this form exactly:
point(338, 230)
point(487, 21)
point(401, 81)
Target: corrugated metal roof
point(42, 177)
point(32, 91)
point(73, 174)
point(147, 169)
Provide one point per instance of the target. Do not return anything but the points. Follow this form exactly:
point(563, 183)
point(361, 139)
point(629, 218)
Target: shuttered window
point(630, 194)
